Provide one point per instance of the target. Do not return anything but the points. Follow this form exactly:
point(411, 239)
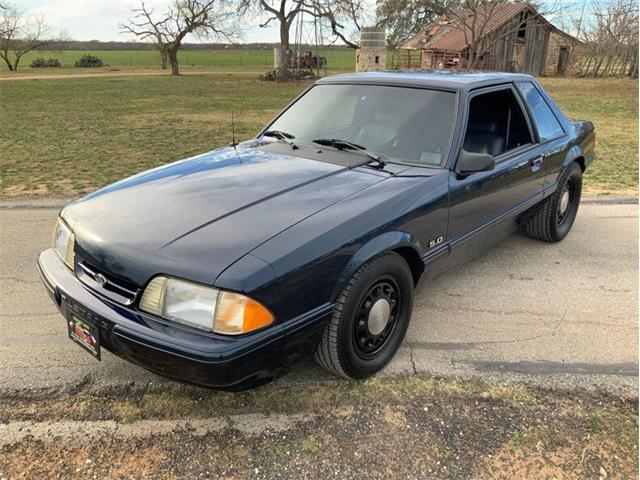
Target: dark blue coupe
point(310, 238)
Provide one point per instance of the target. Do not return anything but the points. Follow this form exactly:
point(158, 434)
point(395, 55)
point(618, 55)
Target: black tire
point(348, 347)
point(550, 222)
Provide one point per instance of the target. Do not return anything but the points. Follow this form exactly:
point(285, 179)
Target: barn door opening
point(563, 60)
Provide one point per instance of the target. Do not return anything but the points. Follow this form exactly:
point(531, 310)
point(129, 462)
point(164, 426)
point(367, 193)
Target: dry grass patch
point(387, 428)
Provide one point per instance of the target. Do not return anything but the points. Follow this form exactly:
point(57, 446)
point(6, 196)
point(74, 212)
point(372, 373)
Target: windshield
point(408, 125)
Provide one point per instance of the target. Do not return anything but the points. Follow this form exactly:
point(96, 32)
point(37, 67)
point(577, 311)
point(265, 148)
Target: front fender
point(382, 243)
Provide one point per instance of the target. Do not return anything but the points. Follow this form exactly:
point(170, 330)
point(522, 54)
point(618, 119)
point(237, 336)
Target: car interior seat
point(484, 136)
point(378, 132)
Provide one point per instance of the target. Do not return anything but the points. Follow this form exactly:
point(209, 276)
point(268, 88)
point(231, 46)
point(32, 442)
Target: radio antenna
point(233, 130)
point(233, 135)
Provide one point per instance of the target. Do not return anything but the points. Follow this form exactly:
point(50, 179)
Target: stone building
point(564, 54)
point(511, 37)
point(372, 54)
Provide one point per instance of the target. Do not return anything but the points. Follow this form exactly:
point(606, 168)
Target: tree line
point(83, 45)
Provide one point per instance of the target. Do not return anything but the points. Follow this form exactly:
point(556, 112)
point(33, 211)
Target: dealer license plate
point(85, 334)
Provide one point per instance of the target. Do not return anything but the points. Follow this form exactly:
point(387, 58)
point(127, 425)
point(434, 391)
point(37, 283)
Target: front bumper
point(170, 350)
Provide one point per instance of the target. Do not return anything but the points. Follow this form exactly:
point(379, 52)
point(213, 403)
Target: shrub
point(293, 74)
point(39, 63)
point(89, 61)
point(42, 63)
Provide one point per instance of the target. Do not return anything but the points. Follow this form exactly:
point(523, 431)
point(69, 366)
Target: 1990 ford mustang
point(310, 238)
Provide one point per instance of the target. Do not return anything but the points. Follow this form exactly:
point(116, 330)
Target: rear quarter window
point(546, 122)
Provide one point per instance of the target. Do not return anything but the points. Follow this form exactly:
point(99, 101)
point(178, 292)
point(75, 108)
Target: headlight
point(202, 307)
point(63, 243)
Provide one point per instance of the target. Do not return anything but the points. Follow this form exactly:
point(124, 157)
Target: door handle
point(536, 163)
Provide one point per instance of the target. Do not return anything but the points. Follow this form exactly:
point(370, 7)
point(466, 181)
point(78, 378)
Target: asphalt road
point(562, 315)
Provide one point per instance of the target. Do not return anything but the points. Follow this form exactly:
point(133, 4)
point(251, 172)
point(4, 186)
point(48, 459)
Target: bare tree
point(205, 18)
point(20, 34)
point(345, 18)
point(403, 19)
point(612, 39)
point(473, 17)
point(3, 25)
point(284, 12)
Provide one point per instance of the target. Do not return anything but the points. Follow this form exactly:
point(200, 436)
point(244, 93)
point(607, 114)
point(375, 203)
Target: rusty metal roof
point(453, 34)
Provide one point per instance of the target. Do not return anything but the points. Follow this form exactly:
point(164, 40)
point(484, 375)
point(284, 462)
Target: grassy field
point(64, 137)
point(612, 105)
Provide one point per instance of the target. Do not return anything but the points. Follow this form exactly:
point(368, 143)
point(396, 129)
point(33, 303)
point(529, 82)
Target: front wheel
point(369, 320)
point(555, 216)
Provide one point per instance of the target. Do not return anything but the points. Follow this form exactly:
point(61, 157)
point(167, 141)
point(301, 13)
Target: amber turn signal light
point(237, 314)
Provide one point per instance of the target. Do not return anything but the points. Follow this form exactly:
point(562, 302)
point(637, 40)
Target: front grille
point(106, 284)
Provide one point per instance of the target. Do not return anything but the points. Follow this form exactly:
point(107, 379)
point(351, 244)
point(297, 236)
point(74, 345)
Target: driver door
point(496, 124)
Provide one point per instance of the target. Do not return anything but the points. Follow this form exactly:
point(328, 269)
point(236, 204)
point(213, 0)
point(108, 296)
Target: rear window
point(546, 122)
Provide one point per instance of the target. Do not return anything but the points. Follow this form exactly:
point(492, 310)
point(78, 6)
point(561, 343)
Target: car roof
point(440, 79)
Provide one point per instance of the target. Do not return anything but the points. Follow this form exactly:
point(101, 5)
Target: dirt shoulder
point(402, 428)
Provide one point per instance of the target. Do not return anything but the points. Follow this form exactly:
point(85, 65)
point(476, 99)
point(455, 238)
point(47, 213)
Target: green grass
point(612, 105)
point(258, 59)
point(64, 137)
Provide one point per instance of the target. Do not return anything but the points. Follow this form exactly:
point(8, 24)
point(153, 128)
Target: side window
point(546, 121)
point(496, 124)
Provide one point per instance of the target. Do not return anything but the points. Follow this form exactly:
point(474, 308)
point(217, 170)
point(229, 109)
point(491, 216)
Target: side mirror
point(471, 162)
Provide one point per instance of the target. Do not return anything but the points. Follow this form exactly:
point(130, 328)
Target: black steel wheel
point(552, 220)
point(370, 318)
point(376, 317)
point(566, 203)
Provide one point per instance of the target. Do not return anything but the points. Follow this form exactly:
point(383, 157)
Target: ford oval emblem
point(101, 279)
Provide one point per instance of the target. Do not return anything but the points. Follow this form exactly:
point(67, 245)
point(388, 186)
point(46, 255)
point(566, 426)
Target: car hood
point(196, 217)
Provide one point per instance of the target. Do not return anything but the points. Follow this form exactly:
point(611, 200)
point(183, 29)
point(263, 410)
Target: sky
point(99, 19)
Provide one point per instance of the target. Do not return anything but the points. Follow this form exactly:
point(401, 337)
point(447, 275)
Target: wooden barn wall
point(498, 49)
point(503, 49)
point(498, 54)
point(535, 48)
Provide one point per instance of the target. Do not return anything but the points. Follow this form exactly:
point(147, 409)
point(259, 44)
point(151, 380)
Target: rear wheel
point(555, 216)
point(369, 320)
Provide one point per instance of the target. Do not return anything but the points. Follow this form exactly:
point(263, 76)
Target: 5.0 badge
point(436, 241)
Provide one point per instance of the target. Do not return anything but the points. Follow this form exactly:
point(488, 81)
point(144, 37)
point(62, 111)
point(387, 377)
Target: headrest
point(376, 134)
point(479, 124)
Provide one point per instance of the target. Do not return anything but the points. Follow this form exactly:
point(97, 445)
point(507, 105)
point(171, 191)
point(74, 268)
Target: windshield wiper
point(282, 136)
point(346, 145)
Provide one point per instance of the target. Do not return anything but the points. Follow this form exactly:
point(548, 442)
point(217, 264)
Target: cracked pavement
point(557, 315)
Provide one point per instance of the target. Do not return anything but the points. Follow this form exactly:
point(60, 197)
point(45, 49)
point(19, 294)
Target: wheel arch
point(575, 154)
point(413, 259)
point(402, 243)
